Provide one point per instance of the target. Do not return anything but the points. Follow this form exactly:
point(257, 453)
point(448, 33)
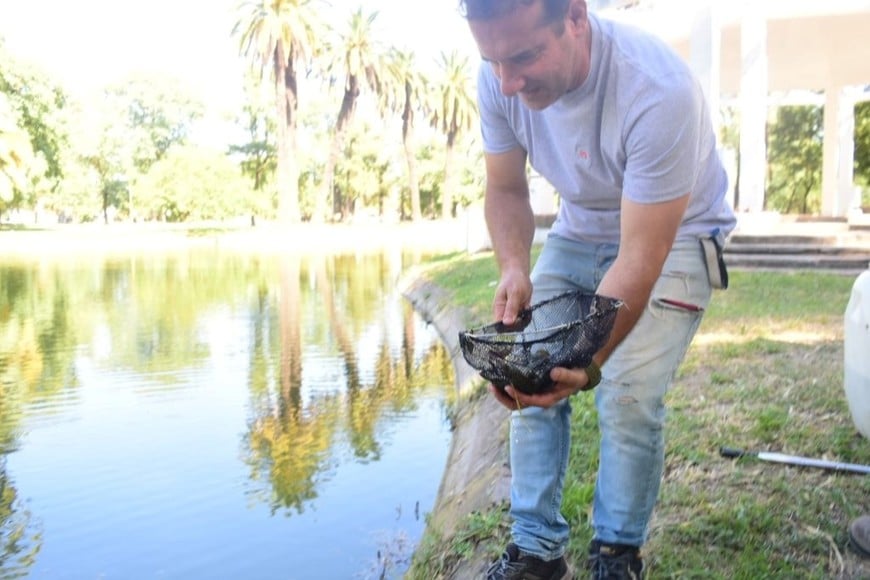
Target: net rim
point(528, 335)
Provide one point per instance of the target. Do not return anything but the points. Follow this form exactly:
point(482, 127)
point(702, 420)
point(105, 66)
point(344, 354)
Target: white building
point(752, 49)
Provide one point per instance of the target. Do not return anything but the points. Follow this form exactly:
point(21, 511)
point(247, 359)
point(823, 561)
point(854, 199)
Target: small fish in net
point(564, 331)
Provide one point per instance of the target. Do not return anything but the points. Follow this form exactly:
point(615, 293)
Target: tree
point(74, 199)
point(258, 156)
point(159, 113)
point(793, 160)
point(862, 148)
point(729, 139)
point(192, 183)
point(363, 172)
point(258, 159)
point(105, 151)
point(132, 128)
point(31, 110)
point(281, 34)
point(454, 112)
point(408, 94)
point(259, 153)
point(97, 164)
point(16, 155)
point(362, 63)
point(37, 103)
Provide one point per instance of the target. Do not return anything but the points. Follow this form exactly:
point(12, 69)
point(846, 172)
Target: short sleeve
point(663, 141)
point(495, 129)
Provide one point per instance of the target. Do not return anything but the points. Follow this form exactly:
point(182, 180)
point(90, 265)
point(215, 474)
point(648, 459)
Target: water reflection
point(332, 360)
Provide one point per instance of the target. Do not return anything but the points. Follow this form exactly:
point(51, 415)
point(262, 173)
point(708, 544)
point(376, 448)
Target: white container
point(857, 353)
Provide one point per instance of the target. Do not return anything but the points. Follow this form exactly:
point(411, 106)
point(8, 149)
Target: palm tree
point(454, 111)
point(281, 34)
point(16, 154)
point(361, 61)
point(409, 94)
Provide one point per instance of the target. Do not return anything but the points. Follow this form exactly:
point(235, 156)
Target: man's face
point(533, 59)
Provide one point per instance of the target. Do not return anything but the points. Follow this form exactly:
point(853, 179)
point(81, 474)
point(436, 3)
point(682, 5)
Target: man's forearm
point(647, 237)
point(511, 225)
point(631, 286)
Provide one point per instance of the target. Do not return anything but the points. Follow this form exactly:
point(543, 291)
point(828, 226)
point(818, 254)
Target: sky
point(88, 44)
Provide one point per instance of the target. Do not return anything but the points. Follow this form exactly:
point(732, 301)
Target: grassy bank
point(765, 372)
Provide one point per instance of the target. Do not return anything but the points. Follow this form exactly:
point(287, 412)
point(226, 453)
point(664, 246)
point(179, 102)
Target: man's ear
point(577, 13)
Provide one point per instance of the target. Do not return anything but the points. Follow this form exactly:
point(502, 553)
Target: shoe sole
point(859, 547)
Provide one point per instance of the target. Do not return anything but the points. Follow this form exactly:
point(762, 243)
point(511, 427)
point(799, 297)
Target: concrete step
point(852, 263)
point(783, 239)
point(853, 238)
point(795, 248)
point(859, 222)
point(799, 243)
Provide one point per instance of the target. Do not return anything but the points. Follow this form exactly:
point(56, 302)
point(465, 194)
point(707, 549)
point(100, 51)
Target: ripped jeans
point(629, 399)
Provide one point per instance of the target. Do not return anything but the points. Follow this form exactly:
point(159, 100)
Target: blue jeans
point(629, 399)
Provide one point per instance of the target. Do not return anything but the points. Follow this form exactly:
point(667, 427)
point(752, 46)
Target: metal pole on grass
point(796, 460)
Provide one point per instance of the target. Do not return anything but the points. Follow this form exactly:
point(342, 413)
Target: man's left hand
point(567, 382)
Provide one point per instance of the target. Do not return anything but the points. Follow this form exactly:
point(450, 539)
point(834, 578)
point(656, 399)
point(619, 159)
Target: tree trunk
point(291, 335)
point(288, 168)
point(410, 155)
point(449, 178)
point(345, 115)
point(343, 338)
point(105, 206)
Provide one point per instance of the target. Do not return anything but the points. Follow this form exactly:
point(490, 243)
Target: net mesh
point(564, 331)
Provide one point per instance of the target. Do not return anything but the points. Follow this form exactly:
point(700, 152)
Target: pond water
point(209, 415)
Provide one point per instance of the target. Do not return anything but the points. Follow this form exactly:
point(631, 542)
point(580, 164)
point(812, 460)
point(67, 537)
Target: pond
point(204, 414)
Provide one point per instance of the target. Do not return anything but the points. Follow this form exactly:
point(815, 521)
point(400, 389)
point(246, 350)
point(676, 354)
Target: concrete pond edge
point(476, 475)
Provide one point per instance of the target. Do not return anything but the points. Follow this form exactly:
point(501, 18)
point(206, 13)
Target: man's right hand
point(513, 294)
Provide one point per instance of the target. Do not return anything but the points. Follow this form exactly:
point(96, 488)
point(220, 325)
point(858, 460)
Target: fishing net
point(563, 331)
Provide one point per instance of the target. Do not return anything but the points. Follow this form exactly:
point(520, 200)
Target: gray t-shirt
point(638, 126)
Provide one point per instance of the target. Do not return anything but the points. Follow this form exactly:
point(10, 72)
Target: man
point(617, 123)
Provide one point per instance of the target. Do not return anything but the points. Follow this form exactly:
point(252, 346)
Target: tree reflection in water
point(20, 537)
point(329, 355)
point(297, 423)
point(23, 331)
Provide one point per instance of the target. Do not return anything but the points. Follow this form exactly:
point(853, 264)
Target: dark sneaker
point(514, 565)
point(859, 535)
point(614, 562)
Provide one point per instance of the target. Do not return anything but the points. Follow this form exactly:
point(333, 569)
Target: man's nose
point(511, 82)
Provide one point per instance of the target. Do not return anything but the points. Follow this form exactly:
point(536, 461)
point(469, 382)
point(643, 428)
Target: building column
point(753, 108)
point(838, 158)
point(705, 58)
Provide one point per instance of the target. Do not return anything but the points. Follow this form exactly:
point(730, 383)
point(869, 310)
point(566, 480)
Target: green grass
point(470, 280)
point(764, 373)
point(435, 557)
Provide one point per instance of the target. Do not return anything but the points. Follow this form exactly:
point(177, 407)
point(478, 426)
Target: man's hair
point(554, 10)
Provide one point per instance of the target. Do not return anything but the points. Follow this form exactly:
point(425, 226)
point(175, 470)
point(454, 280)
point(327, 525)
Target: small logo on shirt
point(583, 156)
